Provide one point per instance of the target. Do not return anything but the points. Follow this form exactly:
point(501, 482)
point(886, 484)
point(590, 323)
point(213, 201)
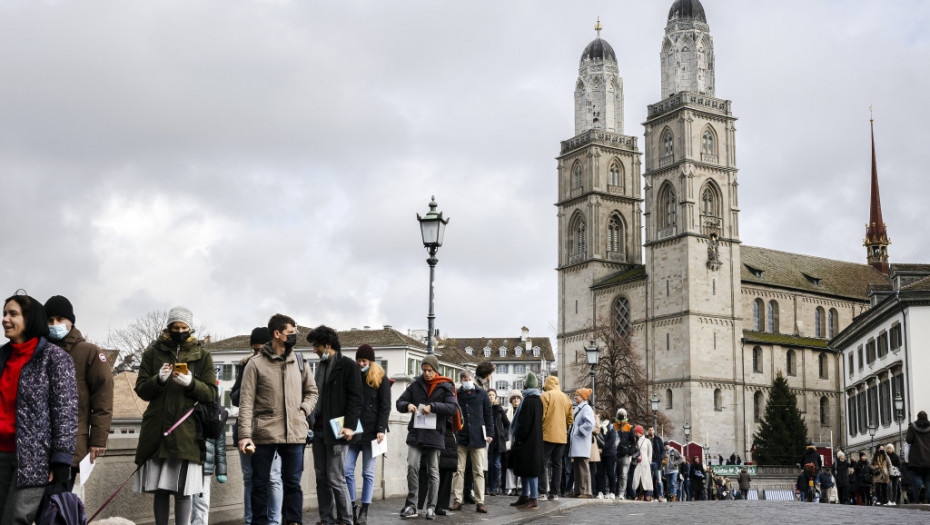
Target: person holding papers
point(340, 383)
point(430, 399)
point(376, 406)
point(473, 439)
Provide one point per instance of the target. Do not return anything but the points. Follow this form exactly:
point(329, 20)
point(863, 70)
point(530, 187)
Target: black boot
point(355, 507)
point(362, 517)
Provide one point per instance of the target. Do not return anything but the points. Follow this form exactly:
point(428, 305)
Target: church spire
point(876, 236)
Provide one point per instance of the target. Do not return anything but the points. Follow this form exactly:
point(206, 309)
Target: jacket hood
point(552, 383)
point(921, 425)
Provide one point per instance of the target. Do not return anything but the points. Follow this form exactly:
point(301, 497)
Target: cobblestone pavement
point(730, 512)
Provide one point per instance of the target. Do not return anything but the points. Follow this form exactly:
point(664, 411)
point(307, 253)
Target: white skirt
point(172, 474)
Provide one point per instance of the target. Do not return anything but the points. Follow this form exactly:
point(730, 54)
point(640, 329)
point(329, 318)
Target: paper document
point(378, 448)
point(86, 468)
point(427, 421)
point(338, 423)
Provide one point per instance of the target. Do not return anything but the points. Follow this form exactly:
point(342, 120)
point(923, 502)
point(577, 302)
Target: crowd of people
point(465, 441)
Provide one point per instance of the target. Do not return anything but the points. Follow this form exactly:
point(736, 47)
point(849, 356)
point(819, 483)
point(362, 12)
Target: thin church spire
point(876, 234)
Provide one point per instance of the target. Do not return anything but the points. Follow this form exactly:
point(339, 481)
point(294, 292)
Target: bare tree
point(620, 377)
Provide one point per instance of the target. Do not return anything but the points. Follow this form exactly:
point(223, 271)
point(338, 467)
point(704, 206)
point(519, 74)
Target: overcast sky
point(250, 157)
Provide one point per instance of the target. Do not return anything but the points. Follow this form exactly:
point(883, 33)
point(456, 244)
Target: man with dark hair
point(918, 437)
point(658, 454)
point(340, 384)
point(473, 440)
point(483, 374)
point(94, 382)
point(276, 397)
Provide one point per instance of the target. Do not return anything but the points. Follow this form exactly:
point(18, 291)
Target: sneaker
point(892, 503)
point(430, 513)
point(553, 497)
point(610, 495)
point(621, 497)
point(409, 512)
point(600, 495)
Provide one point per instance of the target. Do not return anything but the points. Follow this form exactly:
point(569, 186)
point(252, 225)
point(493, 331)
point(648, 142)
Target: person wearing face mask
point(340, 383)
point(376, 407)
point(38, 411)
point(276, 396)
point(174, 373)
point(477, 432)
point(94, 382)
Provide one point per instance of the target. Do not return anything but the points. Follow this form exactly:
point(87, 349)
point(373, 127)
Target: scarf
point(431, 385)
point(529, 392)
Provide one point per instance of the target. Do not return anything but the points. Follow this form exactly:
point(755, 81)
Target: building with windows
point(649, 247)
point(880, 351)
point(513, 357)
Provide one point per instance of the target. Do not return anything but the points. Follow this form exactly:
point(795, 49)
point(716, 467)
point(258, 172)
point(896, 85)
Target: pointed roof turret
point(876, 234)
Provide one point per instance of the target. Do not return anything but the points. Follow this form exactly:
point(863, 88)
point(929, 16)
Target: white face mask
point(468, 385)
point(57, 332)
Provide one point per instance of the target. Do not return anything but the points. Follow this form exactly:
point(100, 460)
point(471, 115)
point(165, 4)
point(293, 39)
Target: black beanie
point(34, 313)
point(259, 336)
point(59, 306)
point(365, 351)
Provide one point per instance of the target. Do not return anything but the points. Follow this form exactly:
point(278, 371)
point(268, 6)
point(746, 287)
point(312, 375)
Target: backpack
point(210, 417)
point(64, 508)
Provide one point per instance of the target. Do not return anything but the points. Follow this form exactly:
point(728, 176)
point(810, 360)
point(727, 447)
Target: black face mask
point(290, 341)
point(180, 337)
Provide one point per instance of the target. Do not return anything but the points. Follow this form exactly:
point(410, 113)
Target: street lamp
point(687, 432)
point(432, 227)
point(592, 352)
point(655, 410)
point(872, 428)
point(899, 415)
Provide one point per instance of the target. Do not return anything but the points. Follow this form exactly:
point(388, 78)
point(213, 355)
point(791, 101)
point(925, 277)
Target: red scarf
point(431, 385)
point(9, 383)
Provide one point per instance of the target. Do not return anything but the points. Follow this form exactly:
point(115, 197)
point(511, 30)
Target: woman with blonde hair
point(376, 406)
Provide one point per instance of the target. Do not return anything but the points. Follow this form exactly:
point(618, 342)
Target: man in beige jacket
point(557, 419)
point(273, 418)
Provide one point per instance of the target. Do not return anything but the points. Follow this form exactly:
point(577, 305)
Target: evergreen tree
point(782, 434)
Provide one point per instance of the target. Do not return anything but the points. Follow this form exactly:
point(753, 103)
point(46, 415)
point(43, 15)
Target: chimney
point(388, 327)
point(524, 333)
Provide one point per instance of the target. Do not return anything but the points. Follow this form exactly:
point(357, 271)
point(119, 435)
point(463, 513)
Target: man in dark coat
point(526, 453)
point(841, 467)
point(918, 460)
point(744, 480)
point(340, 385)
point(473, 439)
point(498, 446)
point(430, 394)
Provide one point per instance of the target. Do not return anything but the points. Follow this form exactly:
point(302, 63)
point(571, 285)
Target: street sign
point(733, 470)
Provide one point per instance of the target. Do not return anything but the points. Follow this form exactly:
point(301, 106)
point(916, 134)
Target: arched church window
point(790, 363)
point(708, 143)
point(616, 176)
point(668, 144)
point(758, 323)
point(615, 234)
point(757, 359)
point(773, 316)
point(710, 210)
point(757, 406)
point(833, 323)
point(578, 237)
point(669, 398)
point(576, 175)
point(668, 208)
point(824, 411)
point(718, 400)
point(822, 365)
point(622, 318)
point(819, 322)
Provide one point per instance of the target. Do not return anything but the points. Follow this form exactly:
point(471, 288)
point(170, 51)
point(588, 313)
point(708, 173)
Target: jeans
point(671, 483)
point(921, 478)
point(292, 467)
point(623, 470)
point(551, 482)
point(414, 454)
point(656, 478)
point(608, 474)
point(684, 490)
point(531, 487)
point(494, 468)
point(477, 468)
point(368, 471)
point(275, 490)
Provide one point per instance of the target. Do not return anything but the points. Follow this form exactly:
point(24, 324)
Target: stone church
point(713, 319)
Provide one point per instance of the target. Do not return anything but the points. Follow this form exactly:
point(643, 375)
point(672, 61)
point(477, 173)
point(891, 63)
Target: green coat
point(170, 401)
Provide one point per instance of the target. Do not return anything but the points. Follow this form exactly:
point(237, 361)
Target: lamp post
point(687, 440)
point(899, 415)
point(592, 352)
point(655, 410)
point(432, 228)
point(872, 428)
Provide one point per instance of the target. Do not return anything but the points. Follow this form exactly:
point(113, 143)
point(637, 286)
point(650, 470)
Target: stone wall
point(226, 499)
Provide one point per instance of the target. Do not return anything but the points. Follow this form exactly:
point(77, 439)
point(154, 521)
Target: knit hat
point(621, 413)
point(59, 306)
point(180, 314)
point(531, 381)
point(365, 351)
point(432, 361)
point(259, 336)
point(638, 429)
point(515, 394)
point(585, 393)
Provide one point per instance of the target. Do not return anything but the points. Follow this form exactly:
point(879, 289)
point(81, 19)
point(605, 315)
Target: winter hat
point(531, 381)
point(180, 314)
point(365, 351)
point(621, 413)
point(585, 393)
point(259, 336)
point(432, 361)
point(515, 394)
point(638, 429)
point(59, 306)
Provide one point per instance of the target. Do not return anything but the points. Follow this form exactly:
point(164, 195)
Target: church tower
point(693, 314)
point(876, 236)
point(599, 197)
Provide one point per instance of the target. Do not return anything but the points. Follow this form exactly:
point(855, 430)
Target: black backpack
point(211, 417)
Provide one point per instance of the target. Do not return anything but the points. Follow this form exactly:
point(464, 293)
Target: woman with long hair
point(38, 411)
point(175, 373)
point(376, 407)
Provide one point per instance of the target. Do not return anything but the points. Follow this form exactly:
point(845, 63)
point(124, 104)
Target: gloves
point(221, 478)
point(61, 473)
point(184, 379)
point(164, 373)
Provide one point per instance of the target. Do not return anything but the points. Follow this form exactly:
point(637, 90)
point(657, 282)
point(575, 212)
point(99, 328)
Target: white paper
point(427, 421)
point(86, 468)
point(378, 448)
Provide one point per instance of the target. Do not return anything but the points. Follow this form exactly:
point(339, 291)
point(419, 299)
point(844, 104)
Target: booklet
point(378, 448)
point(338, 423)
point(427, 421)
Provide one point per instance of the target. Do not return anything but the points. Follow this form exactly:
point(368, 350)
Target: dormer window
point(518, 351)
point(813, 280)
point(469, 350)
point(535, 351)
point(754, 271)
point(503, 351)
point(487, 351)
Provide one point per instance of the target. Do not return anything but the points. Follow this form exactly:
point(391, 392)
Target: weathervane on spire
point(870, 113)
point(598, 27)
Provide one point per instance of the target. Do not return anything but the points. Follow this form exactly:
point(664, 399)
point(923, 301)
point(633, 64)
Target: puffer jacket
point(215, 462)
point(95, 393)
point(169, 402)
point(918, 437)
point(441, 401)
point(557, 412)
point(274, 391)
point(46, 412)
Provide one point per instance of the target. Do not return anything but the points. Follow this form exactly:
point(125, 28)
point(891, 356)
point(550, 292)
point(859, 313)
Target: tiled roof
point(784, 340)
point(922, 285)
point(630, 273)
point(126, 404)
point(907, 267)
point(477, 344)
point(807, 273)
point(380, 337)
